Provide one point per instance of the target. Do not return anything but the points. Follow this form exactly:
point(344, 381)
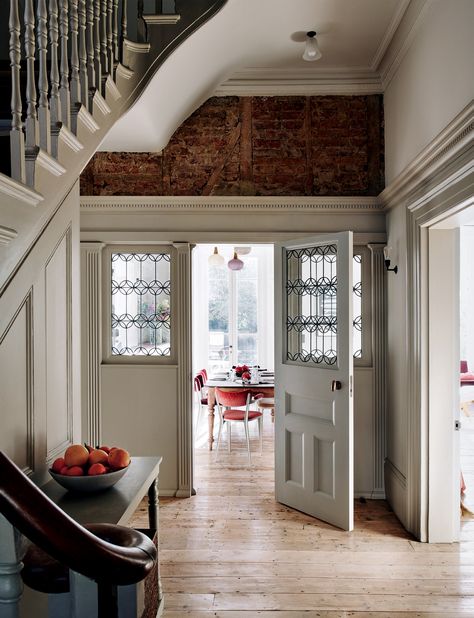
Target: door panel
point(313, 423)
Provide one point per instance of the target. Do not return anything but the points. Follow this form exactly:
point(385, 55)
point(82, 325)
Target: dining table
point(265, 386)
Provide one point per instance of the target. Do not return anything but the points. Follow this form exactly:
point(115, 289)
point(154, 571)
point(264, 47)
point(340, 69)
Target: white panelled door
point(313, 377)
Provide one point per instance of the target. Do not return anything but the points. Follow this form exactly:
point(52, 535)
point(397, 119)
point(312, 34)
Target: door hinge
point(457, 425)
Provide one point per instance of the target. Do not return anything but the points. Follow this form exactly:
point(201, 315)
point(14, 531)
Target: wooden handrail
point(28, 509)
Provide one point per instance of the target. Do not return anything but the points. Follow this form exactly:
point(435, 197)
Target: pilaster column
point(379, 348)
point(91, 295)
point(182, 294)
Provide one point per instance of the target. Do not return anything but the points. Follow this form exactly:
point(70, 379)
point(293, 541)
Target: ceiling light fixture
point(311, 49)
point(215, 259)
point(235, 263)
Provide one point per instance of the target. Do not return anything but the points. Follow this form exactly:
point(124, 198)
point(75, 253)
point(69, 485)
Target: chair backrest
point(197, 384)
point(464, 368)
point(203, 372)
point(231, 399)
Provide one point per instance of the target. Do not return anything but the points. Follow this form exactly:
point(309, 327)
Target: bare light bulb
point(311, 49)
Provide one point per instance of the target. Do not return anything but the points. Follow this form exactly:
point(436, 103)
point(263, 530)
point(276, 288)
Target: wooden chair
point(228, 404)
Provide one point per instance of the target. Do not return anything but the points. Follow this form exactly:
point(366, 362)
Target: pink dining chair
point(230, 404)
point(201, 396)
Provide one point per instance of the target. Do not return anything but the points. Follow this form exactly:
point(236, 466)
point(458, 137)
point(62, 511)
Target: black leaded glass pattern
point(141, 304)
point(357, 306)
point(311, 291)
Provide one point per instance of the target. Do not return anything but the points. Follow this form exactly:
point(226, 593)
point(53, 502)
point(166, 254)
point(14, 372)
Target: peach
point(58, 465)
point(76, 455)
point(97, 456)
point(104, 448)
point(119, 458)
point(97, 469)
point(63, 470)
point(74, 471)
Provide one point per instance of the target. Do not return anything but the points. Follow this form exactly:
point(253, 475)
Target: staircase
point(73, 69)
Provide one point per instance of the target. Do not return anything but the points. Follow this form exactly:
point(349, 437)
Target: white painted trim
point(268, 82)
point(111, 86)
point(7, 234)
point(155, 20)
point(178, 205)
point(87, 119)
point(49, 163)
point(101, 104)
point(68, 138)
point(389, 34)
point(137, 48)
point(397, 50)
point(124, 72)
point(456, 137)
point(15, 189)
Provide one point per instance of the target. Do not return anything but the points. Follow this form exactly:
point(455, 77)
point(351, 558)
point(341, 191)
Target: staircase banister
point(33, 514)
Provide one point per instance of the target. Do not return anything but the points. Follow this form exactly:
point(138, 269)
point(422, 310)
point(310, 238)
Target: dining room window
point(233, 312)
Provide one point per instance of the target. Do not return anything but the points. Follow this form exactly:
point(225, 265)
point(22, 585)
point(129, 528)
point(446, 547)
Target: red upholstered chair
point(203, 372)
point(201, 396)
point(229, 405)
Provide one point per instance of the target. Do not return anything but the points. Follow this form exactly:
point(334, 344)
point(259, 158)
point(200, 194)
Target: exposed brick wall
point(331, 145)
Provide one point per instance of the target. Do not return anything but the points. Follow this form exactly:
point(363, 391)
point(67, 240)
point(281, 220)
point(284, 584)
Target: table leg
point(211, 402)
point(154, 523)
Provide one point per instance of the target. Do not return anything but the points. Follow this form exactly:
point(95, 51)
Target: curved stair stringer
point(25, 211)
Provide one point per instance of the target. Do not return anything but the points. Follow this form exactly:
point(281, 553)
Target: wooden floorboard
point(232, 551)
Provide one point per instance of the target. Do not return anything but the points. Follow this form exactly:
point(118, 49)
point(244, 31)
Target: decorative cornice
point(7, 234)
point(396, 50)
point(389, 34)
point(445, 147)
point(251, 205)
point(268, 82)
point(15, 189)
point(161, 19)
point(137, 48)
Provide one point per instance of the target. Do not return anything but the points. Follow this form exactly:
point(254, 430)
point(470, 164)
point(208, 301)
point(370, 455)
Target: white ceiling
point(255, 47)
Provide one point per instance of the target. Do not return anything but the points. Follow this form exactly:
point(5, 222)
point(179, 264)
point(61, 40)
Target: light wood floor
point(232, 551)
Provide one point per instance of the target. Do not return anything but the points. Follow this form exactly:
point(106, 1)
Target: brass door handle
point(336, 385)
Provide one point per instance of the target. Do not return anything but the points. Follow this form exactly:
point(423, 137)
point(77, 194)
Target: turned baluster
point(110, 44)
point(115, 32)
point(17, 143)
point(103, 40)
point(83, 77)
point(54, 101)
point(123, 29)
point(141, 26)
point(64, 94)
point(31, 127)
point(90, 45)
point(75, 83)
point(97, 63)
point(43, 104)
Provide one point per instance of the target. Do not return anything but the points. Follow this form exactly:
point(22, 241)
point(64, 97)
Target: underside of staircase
point(74, 67)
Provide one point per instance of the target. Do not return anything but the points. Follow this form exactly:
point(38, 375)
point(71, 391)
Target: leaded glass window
point(141, 304)
point(311, 291)
point(357, 305)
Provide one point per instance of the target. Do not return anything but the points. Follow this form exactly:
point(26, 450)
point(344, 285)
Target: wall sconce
point(386, 255)
point(215, 259)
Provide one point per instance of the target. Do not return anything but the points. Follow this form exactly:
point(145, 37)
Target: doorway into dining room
point(233, 326)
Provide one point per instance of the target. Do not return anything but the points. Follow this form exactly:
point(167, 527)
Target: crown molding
point(446, 148)
point(248, 205)
point(389, 34)
point(402, 39)
point(255, 81)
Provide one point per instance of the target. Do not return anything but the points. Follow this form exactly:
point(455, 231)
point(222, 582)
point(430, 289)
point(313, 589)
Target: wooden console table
point(115, 506)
